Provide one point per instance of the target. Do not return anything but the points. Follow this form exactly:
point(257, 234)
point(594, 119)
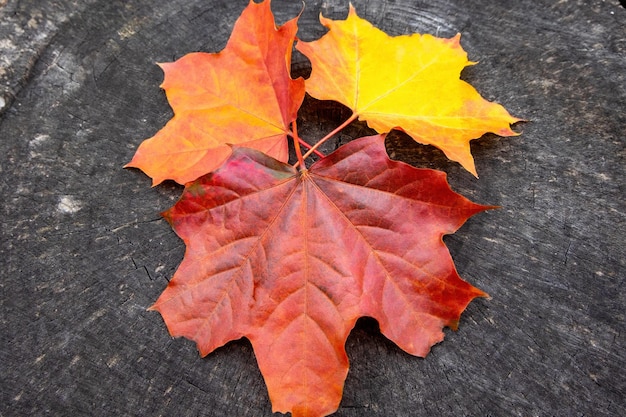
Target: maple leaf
point(291, 259)
point(242, 95)
point(409, 82)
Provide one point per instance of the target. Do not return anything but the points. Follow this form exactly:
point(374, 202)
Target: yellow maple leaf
point(409, 82)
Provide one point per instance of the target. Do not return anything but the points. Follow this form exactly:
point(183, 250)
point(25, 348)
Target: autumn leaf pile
point(289, 256)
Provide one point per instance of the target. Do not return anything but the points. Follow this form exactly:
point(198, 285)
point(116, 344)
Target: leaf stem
point(296, 144)
point(330, 135)
point(309, 146)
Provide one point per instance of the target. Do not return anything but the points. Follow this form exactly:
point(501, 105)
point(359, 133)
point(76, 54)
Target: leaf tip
point(136, 165)
point(163, 65)
point(351, 10)
point(324, 21)
point(515, 120)
point(485, 208)
point(167, 215)
point(469, 165)
point(484, 295)
point(156, 180)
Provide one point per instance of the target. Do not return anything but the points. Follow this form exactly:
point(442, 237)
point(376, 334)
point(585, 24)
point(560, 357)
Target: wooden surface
point(84, 251)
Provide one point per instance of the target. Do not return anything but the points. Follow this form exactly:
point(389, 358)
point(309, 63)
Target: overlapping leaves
point(291, 257)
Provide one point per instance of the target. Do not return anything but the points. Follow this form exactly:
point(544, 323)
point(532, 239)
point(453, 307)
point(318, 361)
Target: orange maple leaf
point(409, 82)
point(242, 95)
point(292, 259)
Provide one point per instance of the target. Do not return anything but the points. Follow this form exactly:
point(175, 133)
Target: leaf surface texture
point(409, 82)
point(242, 95)
point(292, 259)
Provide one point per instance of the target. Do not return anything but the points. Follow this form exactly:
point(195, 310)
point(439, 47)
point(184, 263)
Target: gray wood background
point(84, 252)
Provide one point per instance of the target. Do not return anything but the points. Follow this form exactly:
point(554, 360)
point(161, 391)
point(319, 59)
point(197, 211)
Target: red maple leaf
point(291, 259)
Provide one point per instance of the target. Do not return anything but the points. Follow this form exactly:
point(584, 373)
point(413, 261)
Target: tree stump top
point(84, 251)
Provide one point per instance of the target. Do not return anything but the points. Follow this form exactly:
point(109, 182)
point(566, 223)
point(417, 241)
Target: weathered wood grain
point(84, 252)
